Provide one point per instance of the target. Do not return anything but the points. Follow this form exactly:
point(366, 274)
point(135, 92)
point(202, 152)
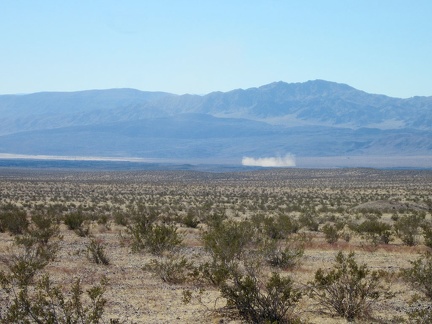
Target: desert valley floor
point(165, 272)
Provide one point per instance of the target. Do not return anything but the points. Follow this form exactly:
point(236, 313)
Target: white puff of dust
point(272, 162)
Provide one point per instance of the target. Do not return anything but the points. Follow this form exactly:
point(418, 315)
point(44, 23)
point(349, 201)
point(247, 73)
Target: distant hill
point(316, 118)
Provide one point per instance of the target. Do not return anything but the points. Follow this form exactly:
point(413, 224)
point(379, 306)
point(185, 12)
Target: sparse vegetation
point(198, 237)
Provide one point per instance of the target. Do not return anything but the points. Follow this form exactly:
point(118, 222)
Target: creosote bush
point(190, 220)
point(77, 222)
point(120, 218)
point(427, 234)
point(34, 249)
point(374, 231)
point(151, 236)
point(279, 227)
point(331, 233)
point(270, 302)
point(96, 252)
point(13, 220)
point(46, 303)
point(284, 255)
point(348, 290)
point(419, 276)
point(173, 268)
point(29, 296)
point(309, 220)
point(43, 227)
point(226, 241)
point(74, 220)
point(407, 228)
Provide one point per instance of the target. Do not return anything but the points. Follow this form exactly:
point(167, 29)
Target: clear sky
point(185, 46)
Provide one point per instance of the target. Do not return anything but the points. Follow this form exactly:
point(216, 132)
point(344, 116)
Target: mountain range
point(311, 119)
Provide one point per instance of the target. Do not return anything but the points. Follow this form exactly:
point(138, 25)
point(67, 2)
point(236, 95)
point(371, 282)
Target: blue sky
point(182, 46)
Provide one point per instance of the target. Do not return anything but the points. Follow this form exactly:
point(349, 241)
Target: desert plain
point(322, 207)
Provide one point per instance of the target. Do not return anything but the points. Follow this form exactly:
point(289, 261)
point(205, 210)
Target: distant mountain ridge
point(314, 118)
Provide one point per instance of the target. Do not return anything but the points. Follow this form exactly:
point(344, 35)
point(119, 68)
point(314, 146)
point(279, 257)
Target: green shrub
point(172, 269)
point(374, 231)
point(26, 263)
point(96, 252)
point(257, 302)
point(407, 228)
point(420, 275)
point(217, 272)
point(161, 238)
point(43, 227)
point(74, 220)
point(427, 234)
point(348, 290)
point(147, 235)
point(226, 241)
point(331, 233)
point(280, 227)
point(34, 249)
point(285, 255)
point(14, 221)
point(47, 303)
point(215, 218)
point(25, 300)
point(309, 220)
point(121, 219)
point(78, 222)
point(190, 220)
point(420, 315)
point(103, 220)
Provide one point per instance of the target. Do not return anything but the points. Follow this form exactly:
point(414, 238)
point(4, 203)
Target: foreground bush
point(407, 228)
point(284, 255)
point(374, 231)
point(148, 235)
point(34, 249)
point(348, 290)
point(26, 299)
point(96, 252)
point(270, 302)
point(419, 276)
point(173, 269)
point(331, 233)
point(77, 222)
point(46, 303)
point(44, 226)
point(13, 220)
point(427, 234)
point(279, 227)
point(226, 242)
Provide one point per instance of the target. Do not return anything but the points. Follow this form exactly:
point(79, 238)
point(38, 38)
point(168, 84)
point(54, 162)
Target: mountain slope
point(315, 118)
